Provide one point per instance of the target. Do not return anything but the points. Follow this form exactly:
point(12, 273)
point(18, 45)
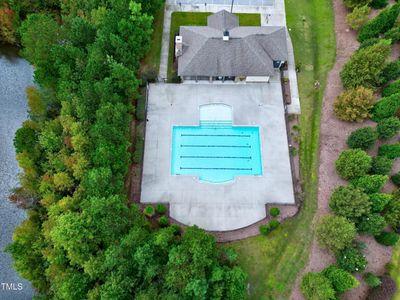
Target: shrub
point(335, 233)
point(393, 34)
point(316, 286)
point(392, 211)
point(363, 138)
point(391, 89)
point(379, 201)
point(341, 280)
point(351, 260)
point(366, 66)
point(264, 229)
point(389, 150)
point(377, 4)
point(349, 202)
point(381, 165)
point(370, 183)
point(356, 3)
point(354, 104)
point(388, 128)
point(353, 163)
point(387, 238)
point(372, 224)
point(380, 24)
point(396, 179)
point(385, 291)
point(386, 107)
point(163, 221)
point(140, 108)
point(371, 280)
point(274, 211)
point(369, 42)
point(391, 71)
point(358, 17)
point(161, 209)
point(148, 75)
point(149, 211)
point(273, 224)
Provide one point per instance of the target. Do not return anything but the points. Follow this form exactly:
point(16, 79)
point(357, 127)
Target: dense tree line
point(81, 239)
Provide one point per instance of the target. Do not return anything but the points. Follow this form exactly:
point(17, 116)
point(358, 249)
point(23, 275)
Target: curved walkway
point(333, 141)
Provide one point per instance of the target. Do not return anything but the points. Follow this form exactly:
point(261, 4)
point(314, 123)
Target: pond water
point(15, 75)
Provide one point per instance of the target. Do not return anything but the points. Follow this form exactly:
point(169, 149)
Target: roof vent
point(178, 46)
point(226, 35)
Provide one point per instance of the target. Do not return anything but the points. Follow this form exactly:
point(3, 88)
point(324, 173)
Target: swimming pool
point(216, 152)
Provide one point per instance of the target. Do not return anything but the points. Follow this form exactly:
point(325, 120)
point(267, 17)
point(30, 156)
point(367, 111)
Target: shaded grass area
point(153, 57)
point(395, 269)
point(198, 19)
point(273, 262)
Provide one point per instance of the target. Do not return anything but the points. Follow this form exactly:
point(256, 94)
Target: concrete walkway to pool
point(217, 207)
point(271, 15)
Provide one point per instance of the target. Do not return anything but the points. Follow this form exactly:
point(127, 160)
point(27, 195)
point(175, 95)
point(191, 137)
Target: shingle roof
point(250, 51)
point(223, 20)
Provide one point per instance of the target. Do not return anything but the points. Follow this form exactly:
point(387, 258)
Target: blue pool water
point(216, 153)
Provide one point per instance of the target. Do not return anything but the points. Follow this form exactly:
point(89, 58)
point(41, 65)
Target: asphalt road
point(15, 76)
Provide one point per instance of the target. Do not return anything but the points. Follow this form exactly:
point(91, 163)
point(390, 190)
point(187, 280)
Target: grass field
point(153, 57)
point(198, 19)
point(273, 262)
point(395, 269)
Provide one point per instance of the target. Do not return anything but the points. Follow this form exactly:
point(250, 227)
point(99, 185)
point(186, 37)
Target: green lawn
point(198, 19)
point(395, 269)
point(153, 57)
point(273, 262)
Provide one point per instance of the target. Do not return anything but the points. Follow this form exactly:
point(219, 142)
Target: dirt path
point(334, 134)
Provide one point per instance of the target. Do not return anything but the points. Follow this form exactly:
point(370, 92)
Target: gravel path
point(15, 75)
point(334, 134)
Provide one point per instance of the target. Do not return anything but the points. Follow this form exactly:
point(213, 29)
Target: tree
point(7, 31)
point(381, 165)
point(35, 102)
point(370, 183)
point(358, 17)
point(39, 33)
point(341, 280)
point(351, 260)
point(335, 233)
point(349, 202)
point(371, 224)
point(354, 105)
point(316, 286)
point(363, 138)
point(353, 163)
point(388, 128)
point(366, 66)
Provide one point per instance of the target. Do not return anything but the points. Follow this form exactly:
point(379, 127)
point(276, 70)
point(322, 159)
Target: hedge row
point(390, 150)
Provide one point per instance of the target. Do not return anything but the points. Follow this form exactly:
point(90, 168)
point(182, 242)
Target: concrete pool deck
point(217, 207)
